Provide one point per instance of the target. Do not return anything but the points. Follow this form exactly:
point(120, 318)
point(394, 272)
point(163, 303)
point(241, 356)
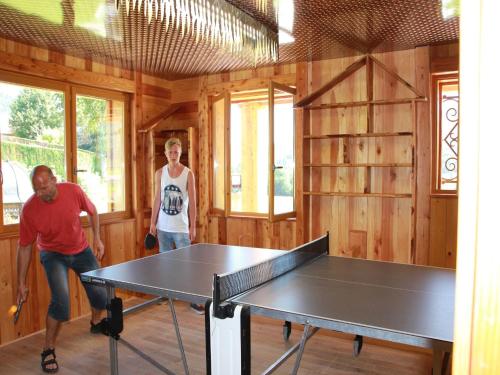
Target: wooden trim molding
point(19, 64)
point(153, 123)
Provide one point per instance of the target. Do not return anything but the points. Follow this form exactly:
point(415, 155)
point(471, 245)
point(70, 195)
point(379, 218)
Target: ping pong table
point(401, 303)
point(184, 274)
point(394, 302)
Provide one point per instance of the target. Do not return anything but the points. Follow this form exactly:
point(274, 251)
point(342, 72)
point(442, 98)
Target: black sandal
point(47, 362)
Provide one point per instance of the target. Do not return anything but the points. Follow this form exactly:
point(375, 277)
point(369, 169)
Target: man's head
point(44, 183)
point(173, 150)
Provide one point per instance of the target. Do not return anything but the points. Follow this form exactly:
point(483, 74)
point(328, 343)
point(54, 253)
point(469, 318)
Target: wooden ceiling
point(320, 29)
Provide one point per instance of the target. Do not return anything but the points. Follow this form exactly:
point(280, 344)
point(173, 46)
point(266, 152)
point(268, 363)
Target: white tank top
point(173, 215)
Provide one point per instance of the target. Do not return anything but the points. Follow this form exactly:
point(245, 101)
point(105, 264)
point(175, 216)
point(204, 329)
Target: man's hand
point(152, 229)
point(192, 233)
point(99, 249)
point(23, 262)
point(22, 293)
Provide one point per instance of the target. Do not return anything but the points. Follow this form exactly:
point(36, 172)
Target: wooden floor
point(151, 330)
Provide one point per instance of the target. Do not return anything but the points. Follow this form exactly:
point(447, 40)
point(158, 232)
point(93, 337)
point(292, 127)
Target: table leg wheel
point(287, 330)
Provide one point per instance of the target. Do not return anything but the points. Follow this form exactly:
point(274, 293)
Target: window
point(249, 145)
point(36, 127)
point(100, 141)
point(446, 130)
point(220, 123)
point(252, 152)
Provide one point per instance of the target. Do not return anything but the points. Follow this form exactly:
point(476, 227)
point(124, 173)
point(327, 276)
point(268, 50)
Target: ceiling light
point(214, 22)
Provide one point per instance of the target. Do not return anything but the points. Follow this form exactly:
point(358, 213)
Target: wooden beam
point(173, 123)
point(250, 84)
point(358, 135)
point(350, 194)
point(422, 145)
point(365, 102)
point(336, 80)
point(25, 65)
point(395, 75)
point(156, 91)
point(151, 124)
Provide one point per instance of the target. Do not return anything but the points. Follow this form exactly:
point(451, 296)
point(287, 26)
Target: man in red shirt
point(51, 216)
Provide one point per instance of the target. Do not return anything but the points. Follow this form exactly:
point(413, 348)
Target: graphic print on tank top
point(172, 200)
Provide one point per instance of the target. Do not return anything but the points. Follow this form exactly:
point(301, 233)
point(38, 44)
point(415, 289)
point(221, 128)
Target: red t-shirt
point(56, 225)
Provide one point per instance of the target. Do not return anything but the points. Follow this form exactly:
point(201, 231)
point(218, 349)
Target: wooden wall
point(380, 228)
point(242, 231)
point(123, 239)
point(443, 217)
point(366, 227)
point(374, 228)
point(358, 227)
point(118, 238)
point(443, 232)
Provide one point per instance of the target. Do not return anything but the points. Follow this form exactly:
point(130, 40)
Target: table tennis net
point(232, 284)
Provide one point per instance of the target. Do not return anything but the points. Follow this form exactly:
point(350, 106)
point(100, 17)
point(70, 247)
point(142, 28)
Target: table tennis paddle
point(149, 241)
point(18, 311)
point(15, 311)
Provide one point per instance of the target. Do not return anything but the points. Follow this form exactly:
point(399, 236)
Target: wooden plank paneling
point(157, 91)
point(217, 230)
point(250, 84)
point(257, 232)
point(423, 160)
point(444, 58)
point(300, 158)
point(203, 160)
point(376, 228)
point(15, 63)
point(7, 292)
point(241, 232)
point(357, 244)
point(343, 216)
point(443, 232)
point(123, 240)
point(119, 241)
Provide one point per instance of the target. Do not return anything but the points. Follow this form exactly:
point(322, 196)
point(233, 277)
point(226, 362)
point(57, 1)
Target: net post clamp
point(221, 310)
point(224, 310)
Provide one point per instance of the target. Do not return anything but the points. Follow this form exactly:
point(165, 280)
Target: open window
point(219, 146)
point(253, 153)
point(281, 152)
point(80, 132)
point(100, 163)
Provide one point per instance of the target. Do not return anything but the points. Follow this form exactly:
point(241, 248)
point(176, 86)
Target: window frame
point(436, 78)
point(226, 98)
point(225, 95)
point(285, 215)
point(112, 95)
point(70, 90)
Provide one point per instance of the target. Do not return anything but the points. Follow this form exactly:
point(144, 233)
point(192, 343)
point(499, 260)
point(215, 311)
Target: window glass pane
point(284, 153)
point(218, 154)
point(449, 135)
point(100, 143)
point(32, 133)
point(249, 154)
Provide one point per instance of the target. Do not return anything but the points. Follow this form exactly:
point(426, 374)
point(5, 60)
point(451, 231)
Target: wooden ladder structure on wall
point(310, 136)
